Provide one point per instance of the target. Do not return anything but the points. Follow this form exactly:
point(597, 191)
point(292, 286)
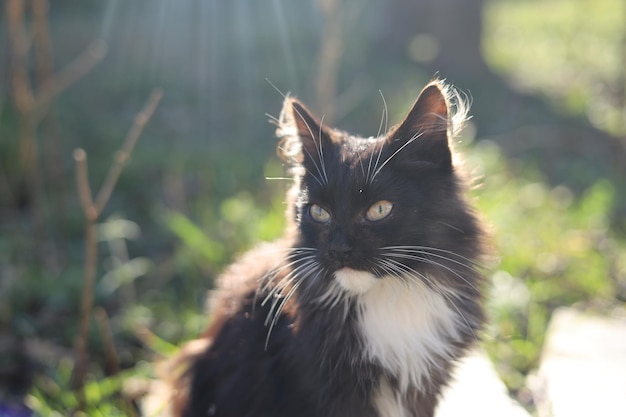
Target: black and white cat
point(364, 306)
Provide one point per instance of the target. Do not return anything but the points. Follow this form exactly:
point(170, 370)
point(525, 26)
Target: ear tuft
point(301, 135)
point(426, 129)
point(429, 114)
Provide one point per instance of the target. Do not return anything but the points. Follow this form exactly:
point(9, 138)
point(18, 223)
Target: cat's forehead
point(355, 147)
point(353, 171)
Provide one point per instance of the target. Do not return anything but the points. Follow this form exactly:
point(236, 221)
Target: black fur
point(275, 349)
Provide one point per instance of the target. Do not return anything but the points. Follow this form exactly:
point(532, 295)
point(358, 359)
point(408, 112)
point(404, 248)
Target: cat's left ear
point(422, 138)
point(304, 137)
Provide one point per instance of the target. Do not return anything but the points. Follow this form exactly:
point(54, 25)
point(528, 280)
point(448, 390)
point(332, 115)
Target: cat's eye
point(379, 210)
point(319, 214)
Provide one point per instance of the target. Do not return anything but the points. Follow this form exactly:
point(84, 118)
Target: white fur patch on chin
point(355, 282)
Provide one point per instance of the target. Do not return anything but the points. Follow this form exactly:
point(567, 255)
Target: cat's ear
point(303, 136)
point(422, 138)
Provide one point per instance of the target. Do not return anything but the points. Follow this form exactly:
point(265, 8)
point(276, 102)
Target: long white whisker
point(383, 116)
point(276, 315)
point(406, 271)
point(319, 181)
point(320, 151)
point(382, 264)
point(426, 253)
point(429, 249)
point(269, 279)
point(317, 147)
point(434, 263)
point(371, 169)
point(266, 280)
point(417, 135)
point(283, 95)
point(286, 280)
point(386, 111)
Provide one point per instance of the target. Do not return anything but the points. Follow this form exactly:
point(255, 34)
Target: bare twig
point(68, 75)
point(106, 334)
point(41, 40)
point(91, 256)
point(23, 97)
point(92, 212)
point(53, 166)
point(123, 155)
point(20, 44)
point(32, 103)
point(82, 183)
point(107, 339)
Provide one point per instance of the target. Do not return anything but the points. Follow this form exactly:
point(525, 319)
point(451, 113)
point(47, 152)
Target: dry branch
point(32, 101)
point(123, 155)
point(107, 338)
point(92, 212)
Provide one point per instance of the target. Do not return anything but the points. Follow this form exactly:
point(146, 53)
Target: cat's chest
point(406, 329)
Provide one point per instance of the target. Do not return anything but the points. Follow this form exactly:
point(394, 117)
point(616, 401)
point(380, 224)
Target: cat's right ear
point(303, 136)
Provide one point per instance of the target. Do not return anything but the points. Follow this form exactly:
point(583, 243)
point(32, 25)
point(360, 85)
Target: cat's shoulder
point(243, 279)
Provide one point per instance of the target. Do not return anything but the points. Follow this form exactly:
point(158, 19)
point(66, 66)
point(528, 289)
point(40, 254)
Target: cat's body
point(366, 303)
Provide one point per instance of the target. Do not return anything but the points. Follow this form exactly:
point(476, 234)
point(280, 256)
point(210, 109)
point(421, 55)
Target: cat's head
point(389, 207)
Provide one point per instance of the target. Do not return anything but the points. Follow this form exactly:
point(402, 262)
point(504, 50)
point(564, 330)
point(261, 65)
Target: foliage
point(193, 197)
point(555, 249)
point(51, 394)
point(574, 54)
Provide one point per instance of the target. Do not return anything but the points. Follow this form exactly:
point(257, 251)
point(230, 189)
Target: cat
point(372, 295)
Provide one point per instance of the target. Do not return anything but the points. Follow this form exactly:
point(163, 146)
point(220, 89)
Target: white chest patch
point(405, 326)
point(388, 402)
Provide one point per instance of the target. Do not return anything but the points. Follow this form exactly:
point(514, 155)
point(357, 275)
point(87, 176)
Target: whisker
point(283, 95)
point(384, 115)
point(278, 179)
point(280, 302)
point(285, 281)
point(273, 119)
point(319, 181)
point(385, 109)
point(277, 314)
point(322, 173)
point(417, 135)
point(382, 264)
point(321, 150)
point(435, 263)
point(371, 171)
point(266, 280)
point(408, 272)
point(362, 167)
point(425, 253)
point(432, 248)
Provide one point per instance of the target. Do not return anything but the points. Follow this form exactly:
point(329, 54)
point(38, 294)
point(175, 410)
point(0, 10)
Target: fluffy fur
point(372, 295)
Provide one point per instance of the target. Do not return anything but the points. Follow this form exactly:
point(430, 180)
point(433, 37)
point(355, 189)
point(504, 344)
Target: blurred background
point(547, 144)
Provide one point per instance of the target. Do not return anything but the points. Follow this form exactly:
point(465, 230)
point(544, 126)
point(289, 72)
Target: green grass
point(572, 52)
point(555, 246)
point(554, 249)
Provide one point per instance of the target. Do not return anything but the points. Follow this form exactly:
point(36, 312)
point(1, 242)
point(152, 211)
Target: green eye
point(379, 210)
point(319, 214)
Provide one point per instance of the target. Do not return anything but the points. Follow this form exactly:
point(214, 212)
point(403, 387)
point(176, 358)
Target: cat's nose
point(339, 248)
